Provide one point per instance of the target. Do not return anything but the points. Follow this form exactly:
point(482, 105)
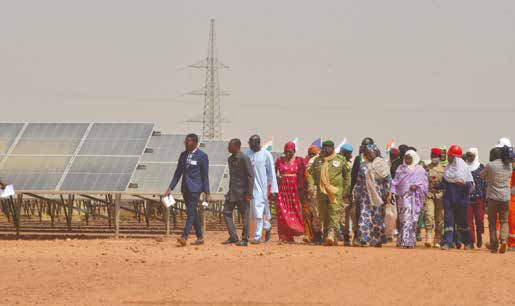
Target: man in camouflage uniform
point(347, 212)
point(433, 210)
point(326, 177)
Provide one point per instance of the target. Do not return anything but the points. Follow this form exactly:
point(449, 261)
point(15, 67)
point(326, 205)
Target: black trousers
point(244, 209)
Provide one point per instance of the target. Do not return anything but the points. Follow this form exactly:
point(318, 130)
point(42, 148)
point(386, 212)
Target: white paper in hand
point(7, 192)
point(168, 201)
point(205, 204)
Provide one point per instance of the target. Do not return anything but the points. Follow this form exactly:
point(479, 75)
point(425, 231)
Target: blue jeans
point(191, 200)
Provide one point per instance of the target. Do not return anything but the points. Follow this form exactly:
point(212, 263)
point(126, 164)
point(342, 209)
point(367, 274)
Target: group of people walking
point(368, 200)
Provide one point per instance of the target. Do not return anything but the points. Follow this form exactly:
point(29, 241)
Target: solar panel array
point(98, 157)
point(71, 156)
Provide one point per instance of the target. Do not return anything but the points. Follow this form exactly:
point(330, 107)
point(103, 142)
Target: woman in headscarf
point(310, 215)
point(292, 187)
point(476, 211)
point(409, 189)
point(356, 165)
point(457, 183)
point(372, 185)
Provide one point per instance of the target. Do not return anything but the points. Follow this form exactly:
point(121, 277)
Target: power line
point(211, 116)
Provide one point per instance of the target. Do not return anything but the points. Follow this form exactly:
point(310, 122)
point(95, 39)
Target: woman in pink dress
point(292, 187)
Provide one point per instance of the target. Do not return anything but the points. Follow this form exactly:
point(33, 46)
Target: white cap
point(503, 142)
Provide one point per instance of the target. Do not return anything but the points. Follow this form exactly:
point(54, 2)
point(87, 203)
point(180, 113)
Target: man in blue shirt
point(193, 167)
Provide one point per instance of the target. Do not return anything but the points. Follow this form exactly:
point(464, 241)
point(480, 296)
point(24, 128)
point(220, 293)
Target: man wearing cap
point(346, 211)
point(433, 204)
point(326, 175)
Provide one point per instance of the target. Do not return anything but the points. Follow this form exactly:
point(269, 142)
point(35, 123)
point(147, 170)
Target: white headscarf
point(475, 164)
point(415, 157)
point(503, 142)
point(457, 170)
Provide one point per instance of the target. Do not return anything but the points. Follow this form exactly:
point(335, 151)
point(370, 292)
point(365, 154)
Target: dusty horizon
point(428, 73)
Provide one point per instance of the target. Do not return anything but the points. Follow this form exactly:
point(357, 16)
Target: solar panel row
point(98, 157)
point(83, 156)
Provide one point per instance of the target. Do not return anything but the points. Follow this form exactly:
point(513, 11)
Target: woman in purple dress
point(408, 190)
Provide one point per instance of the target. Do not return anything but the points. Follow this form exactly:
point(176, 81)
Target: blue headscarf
point(374, 148)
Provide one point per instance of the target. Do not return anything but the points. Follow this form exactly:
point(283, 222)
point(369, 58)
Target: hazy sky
point(424, 72)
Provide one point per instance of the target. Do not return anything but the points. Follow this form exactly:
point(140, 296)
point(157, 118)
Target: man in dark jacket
point(193, 167)
point(241, 186)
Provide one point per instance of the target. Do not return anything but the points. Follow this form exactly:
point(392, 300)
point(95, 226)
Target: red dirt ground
point(152, 271)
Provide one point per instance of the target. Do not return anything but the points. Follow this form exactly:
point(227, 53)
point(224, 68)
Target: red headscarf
point(289, 146)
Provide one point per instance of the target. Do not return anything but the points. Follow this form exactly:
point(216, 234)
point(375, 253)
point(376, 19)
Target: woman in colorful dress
point(370, 191)
point(476, 210)
point(292, 186)
point(309, 206)
point(409, 189)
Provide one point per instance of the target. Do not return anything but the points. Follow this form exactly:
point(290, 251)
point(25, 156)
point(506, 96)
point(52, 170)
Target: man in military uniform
point(326, 176)
point(434, 204)
point(346, 211)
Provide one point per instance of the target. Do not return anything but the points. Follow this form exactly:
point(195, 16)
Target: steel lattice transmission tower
point(212, 116)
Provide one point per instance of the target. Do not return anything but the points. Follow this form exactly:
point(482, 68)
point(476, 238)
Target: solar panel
point(216, 174)
point(50, 138)
point(42, 156)
point(224, 184)
point(117, 139)
point(216, 151)
point(8, 133)
point(100, 173)
point(155, 178)
point(33, 172)
point(166, 148)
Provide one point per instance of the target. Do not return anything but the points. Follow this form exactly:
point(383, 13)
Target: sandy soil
point(152, 271)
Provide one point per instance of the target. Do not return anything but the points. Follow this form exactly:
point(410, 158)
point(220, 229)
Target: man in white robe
point(264, 170)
